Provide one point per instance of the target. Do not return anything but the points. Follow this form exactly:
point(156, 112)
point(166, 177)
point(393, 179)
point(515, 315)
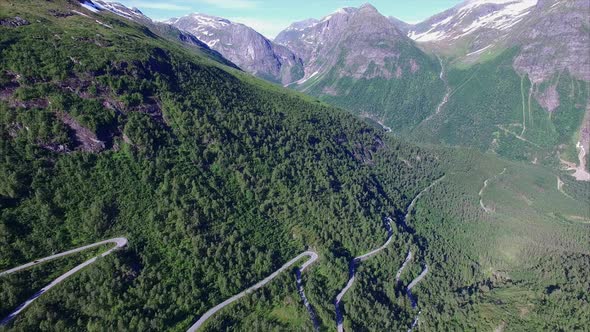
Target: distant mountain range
point(217, 183)
point(245, 47)
point(506, 76)
point(358, 59)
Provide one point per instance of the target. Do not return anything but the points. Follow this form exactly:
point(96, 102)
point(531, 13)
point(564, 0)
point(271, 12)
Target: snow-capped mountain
point(242, 45)
point(162, 29)
point(358, 59)
point(552, 35)
point(116, 8)
point(131, 13)
point(471, 17)
point(361, 35)
point(543, 45)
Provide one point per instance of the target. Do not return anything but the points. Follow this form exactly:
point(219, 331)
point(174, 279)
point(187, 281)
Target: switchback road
point(312, 258)
point(119, 243)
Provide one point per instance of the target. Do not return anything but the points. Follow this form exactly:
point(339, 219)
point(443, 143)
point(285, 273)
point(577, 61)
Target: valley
point(354, 173)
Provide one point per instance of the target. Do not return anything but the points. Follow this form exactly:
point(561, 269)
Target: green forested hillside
point(217, 179)
point(521, 266)
point(400, 103)
point(494, 109)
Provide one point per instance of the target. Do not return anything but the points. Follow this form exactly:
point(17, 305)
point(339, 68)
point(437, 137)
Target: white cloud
point(268, 27)
point(232, 4)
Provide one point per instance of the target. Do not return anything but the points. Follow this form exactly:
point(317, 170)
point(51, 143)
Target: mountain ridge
point(356, 52)
point(217, 178)
point(351, 58)
point(244, 46)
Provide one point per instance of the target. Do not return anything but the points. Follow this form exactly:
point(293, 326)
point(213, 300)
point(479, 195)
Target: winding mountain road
point(414, 283)
point(312, 258)
point(352, 272)
point(401, 269)
point(122, 242)
point(356, 260)
point(411, 206)
point(119, 243)
point(485, 185)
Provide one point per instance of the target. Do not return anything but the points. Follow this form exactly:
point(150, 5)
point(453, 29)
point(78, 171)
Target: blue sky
point(271, 16)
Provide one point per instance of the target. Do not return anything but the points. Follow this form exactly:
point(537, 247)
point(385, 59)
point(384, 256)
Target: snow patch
point(104, 24)
point(212, 43)
point(303, 80)
point(429, 35)
point(511, 13)
point(480, 50)
point(214, 22)
point(91, 6)
point(119, 9)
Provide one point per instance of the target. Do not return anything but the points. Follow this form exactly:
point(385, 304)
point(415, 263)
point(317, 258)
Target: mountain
point(358, 59)
point(531, 53)
point(217, 179)
point(133, 14)
point(245, 47)
point(162, 29)
point(541, 28)
point(472, 19)
point(550, 33)
point(401, 25)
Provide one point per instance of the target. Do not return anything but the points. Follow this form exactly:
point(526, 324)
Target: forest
point(218, 178)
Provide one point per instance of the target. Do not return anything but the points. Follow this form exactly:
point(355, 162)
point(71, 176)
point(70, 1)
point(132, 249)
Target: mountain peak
point(368, 6)
point(472, 16)
point(243, 45)
point(301, 25)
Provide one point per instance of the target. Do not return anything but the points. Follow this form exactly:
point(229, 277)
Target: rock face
point(245, 47)
point(358, 59)
point(13, 22)
point(552, 35)
point(356, 37)
point(555, 38)
point(472, 19)
point(121, 10)
point(401, 25)
point(533, 53)
point(163, 29)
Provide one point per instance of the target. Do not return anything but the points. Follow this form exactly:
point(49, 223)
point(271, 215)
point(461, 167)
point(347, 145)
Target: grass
point(398, 102)
point(490, 95)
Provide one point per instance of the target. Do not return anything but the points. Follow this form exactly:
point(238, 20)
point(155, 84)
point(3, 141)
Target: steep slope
point(472, 19)
point(551, 33)
point(216, 178)
point(247, 48)
point(357, 59)
point(401, 25)
point(133, 13)
point(162, 29)
point(535, 56)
